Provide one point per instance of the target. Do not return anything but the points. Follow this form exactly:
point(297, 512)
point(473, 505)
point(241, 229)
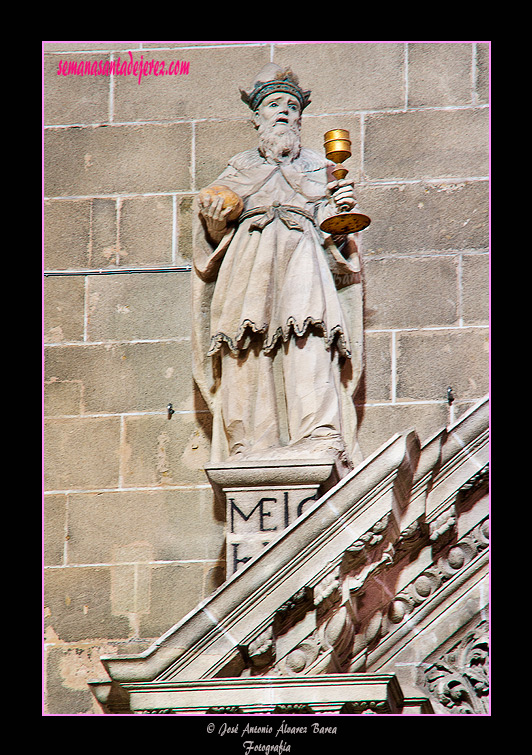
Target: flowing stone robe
point(275, 278)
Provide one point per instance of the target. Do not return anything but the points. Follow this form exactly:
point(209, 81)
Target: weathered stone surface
point(145, 231)
point(54, 530)
point(346, 77)
point(74, 99)
point(426, 217)
point(377, 378)
point(175, 525)
point(64, 309)
point(63, 397)
point(97, 160)
point(119, 377)
point(379, 420)
point(394, 284)
point(230, 139)
point(188, 95)
point(79, 604)
point(483, 72)
point(475, 289)
point(429, 361)
point(82, 453)
point(69, 671)
point(180, 586)
point(67, 228)
point(183, 254)
point(420, 144)
point(439, 75)
point(138, 306)
point(162, 452)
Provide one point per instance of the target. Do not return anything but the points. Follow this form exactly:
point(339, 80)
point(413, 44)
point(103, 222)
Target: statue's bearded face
point(278, 122)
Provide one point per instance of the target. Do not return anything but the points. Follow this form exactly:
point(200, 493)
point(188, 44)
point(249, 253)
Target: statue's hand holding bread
point(219, 206)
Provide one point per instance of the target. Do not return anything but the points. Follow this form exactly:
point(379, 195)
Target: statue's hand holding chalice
point(343, 194)
point(219, 206)
point(338, 148)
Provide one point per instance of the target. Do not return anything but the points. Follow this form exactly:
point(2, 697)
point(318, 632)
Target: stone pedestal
point(263, 498)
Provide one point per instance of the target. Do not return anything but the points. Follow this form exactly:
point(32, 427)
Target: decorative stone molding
point(459, 678)
point(369, 539)
point(168, 711)
point(294, 608)
point(331, 693)
point(443, 524)
point(300, 708)
point(366, 707)
point(339, 638)
point(479, 481)
point(454, 462)
point(354, 585)
point(327, 591)
point(334, 599)
point(456, 558)
point(261, 652)
point(225, 710)
point(301, 657)
point(411, 539)
point(318, 601)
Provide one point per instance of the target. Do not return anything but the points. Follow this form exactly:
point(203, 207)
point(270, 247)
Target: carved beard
point(281, 144)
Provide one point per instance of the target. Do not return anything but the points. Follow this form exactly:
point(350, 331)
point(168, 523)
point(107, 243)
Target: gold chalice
point(338, 148)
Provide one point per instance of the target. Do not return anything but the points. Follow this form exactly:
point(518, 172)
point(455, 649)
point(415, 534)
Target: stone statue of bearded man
point(277, 303)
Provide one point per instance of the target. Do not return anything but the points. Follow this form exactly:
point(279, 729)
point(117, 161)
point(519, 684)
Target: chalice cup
point(338, 148)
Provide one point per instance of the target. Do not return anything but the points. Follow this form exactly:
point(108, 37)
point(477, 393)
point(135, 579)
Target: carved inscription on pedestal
point(256, 515)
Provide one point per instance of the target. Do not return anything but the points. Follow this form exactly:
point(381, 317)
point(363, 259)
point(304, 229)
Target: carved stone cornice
point(452, 459)
point(459, 565)
point(448, 565)
point(332, 693)
point(208, 639)
point(477, 483)
point(340, 639)
point(340, 589)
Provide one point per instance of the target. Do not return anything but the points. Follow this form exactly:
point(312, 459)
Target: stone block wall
point(132, 537)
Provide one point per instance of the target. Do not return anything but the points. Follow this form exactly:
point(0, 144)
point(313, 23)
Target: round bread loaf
point(231, 199)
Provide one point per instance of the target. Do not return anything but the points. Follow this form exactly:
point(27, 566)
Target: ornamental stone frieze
point(340, 641)
point(371, 579)
point(329, 694)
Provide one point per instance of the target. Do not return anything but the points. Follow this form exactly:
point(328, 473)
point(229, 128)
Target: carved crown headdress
point(273, 78)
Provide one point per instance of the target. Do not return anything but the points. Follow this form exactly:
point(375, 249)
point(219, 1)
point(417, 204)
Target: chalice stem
point(340, 173)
